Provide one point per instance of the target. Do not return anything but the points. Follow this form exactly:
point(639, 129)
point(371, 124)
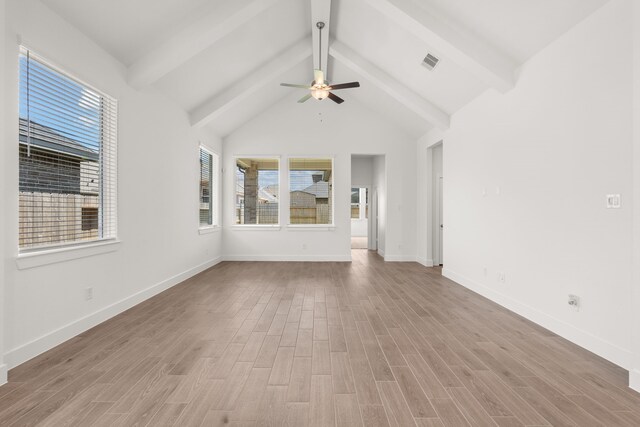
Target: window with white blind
point(67, 158)
point(208, 188)
point(311, 191)
point(257, 196)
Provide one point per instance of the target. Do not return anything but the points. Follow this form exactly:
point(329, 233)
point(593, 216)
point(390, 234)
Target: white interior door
point(372, 222)
point(439, 257)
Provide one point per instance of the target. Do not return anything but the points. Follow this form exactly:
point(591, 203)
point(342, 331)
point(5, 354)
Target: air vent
point(430, 61)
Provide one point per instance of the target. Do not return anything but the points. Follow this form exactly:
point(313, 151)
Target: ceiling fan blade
point(318, 76)
point(293, 85)
point(344, 85)
point(335, 98)
point(304, 98)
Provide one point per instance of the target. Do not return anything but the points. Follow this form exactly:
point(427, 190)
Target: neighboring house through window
point(67, 158)
point(311, 191)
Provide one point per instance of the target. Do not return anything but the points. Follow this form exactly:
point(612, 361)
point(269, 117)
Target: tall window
point(257, 191)
point(311, 191)
point(208, 188)
point(67, 158)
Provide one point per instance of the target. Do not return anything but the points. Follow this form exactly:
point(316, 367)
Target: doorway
point(437, 204)
point(368, 202)
point(359, 218)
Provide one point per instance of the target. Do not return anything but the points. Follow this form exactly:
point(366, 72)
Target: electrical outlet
point(485, 272)
point(304, 246)
point(501, 277)
point(88, 294)
point(574, 302)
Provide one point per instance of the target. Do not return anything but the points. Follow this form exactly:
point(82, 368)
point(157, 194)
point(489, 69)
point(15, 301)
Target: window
point(359, 203)
point(257, 191)
point(208, 188)
point(67, 158)
point(355, 203)
point(311, 191)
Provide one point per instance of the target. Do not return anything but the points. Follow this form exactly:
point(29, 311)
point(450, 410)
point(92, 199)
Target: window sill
point(249, 227)
point(53, 256)
point(208, 230)
point(301, 227)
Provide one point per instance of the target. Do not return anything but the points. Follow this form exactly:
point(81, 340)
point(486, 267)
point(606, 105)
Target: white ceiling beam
point(193, 39)
point(461, 47)
point(320, 12)
point(423, 108)
point(250, 84)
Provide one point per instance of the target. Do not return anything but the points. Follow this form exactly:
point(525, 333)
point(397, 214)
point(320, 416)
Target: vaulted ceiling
point(223, 60)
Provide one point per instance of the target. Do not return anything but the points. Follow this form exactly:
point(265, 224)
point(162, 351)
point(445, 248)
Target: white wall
point(547, 153)
point(3, 196)
point(361, 171)
point(345, 129)
point(634, 374)
point(158, 199)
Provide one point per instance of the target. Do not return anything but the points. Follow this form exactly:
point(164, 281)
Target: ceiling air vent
point(430, 61)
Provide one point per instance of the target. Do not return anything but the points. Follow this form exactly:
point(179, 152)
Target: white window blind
point(257, 197)
point(310, 191)
point(208, 188)
point(67, 158)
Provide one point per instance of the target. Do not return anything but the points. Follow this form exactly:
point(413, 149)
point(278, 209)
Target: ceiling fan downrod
point(320, 26)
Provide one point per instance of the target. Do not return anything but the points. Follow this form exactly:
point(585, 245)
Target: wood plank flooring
point(365, 343)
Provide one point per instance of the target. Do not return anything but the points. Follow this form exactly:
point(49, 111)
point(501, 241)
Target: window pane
point(257, 191)
point(355, 203)
point(66, 158)
point(311, 191)
point(206, 182)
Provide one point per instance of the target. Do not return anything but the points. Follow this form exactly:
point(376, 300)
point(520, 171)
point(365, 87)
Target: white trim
point(424, 261)
point(255, 227)
point(620, 356)
point(634, 379)
point(38, 346)
point(381, 252)
point(399, 258)
point(209, 229)
point(3, 374)
point(68, 253)
point(299, 258)
point(310, 227)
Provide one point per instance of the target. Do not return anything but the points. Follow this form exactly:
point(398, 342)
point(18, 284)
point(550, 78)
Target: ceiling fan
point(320, 88)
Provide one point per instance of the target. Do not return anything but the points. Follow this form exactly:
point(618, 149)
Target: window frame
point(315, 227)
point(272, 227)
point(214, 202)
point(35, 256)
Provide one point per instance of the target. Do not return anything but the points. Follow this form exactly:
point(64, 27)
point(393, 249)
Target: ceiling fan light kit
point(320, 89)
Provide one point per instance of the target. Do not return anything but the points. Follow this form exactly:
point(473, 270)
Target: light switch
point(613, 201)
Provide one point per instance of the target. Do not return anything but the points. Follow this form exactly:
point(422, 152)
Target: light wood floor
point(295, 344)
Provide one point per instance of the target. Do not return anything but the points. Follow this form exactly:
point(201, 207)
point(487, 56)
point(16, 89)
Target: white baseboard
point(399, 258)
point(602, 348)
point(291, 258)
point(46, 342)
point(381, 252)
point(3, 374)
point(424, 261)
point(634, 379)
